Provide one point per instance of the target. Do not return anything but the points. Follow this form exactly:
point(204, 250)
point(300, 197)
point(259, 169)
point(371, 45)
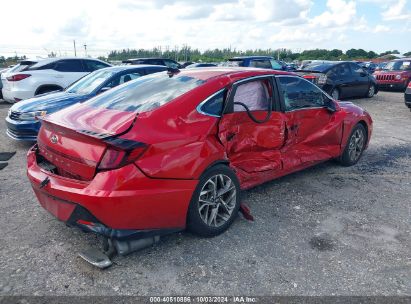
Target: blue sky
point(48, 25)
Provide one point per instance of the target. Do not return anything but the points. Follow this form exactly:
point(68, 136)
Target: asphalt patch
point(5, 156)
point(384, 158)
point(322, 243)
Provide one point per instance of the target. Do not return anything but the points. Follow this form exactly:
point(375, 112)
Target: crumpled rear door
point(253, 148)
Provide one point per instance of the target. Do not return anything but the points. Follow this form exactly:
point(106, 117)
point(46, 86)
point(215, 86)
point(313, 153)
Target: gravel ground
point(328, 230)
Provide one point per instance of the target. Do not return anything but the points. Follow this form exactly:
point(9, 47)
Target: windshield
point(89, 83)
point(318, 67)
point(145, 93)
point(399, 65)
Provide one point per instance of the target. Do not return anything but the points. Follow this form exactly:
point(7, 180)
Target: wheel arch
point(56, 86)
point(365, 125)
point(337, 87)
point(214, 164)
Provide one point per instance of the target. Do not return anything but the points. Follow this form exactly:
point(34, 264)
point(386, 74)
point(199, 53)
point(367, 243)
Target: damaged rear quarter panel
point(181, 145)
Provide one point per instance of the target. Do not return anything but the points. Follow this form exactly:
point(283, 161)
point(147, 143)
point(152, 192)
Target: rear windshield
point(19, 67)
point(318, 67)
point(41, 65)
point(399, 65)
point(145, 93)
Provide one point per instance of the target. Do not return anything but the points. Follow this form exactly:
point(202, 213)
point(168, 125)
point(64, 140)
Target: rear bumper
point(11, 95)
point(22, 130)
point(121, 199)
point(397, 85)
point(75, 215)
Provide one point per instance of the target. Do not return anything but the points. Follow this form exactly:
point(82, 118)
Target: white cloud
point(381, 29)
point(243, 24)
point(281, 10)
point(397, 11)
point(339, 13)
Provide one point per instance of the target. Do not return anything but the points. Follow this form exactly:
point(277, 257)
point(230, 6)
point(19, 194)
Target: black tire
point(195, 223)
point(335, 93)
point(353, 146)
point(371, 91)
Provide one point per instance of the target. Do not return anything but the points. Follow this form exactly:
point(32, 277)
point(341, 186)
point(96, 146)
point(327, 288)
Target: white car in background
point(47, 75)
point(1, 84)
point(13, 69)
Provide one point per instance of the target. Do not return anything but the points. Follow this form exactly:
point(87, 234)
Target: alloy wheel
point(217, 200)
point(356, 145)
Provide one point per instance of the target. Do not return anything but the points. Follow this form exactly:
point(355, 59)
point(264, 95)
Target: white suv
point(45, 76)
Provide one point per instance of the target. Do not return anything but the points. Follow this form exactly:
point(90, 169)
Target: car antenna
point(172, 71)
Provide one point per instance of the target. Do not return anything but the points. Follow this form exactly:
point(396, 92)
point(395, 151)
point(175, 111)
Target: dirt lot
point(328, 230)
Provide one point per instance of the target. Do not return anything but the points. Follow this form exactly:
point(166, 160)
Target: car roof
point(147, 58)
point(400, 59)
point(330, 62)
point(235, 72)
point(120, 68)
point(49, 60)
point(250, 57)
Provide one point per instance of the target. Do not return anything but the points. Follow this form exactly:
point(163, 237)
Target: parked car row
point(338, 79)
point(35, 78)
point(341, 79)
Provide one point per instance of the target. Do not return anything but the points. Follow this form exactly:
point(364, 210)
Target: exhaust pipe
point(102, 259)
point(129, 246)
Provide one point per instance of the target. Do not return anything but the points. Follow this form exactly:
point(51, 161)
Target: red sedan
point(171, 151)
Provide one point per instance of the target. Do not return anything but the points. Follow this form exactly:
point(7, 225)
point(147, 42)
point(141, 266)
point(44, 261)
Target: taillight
point(18, 77)
point(310, 78)
point(409, 85)
point(115, 158)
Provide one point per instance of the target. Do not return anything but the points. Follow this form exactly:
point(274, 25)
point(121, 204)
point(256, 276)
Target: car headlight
point(32, 115)
point(398, 77)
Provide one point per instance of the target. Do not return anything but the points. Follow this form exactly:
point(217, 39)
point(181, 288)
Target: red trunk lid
point(72, 140)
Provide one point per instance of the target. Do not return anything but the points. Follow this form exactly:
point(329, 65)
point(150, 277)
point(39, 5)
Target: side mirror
point(104, 89)
point(330, 105)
